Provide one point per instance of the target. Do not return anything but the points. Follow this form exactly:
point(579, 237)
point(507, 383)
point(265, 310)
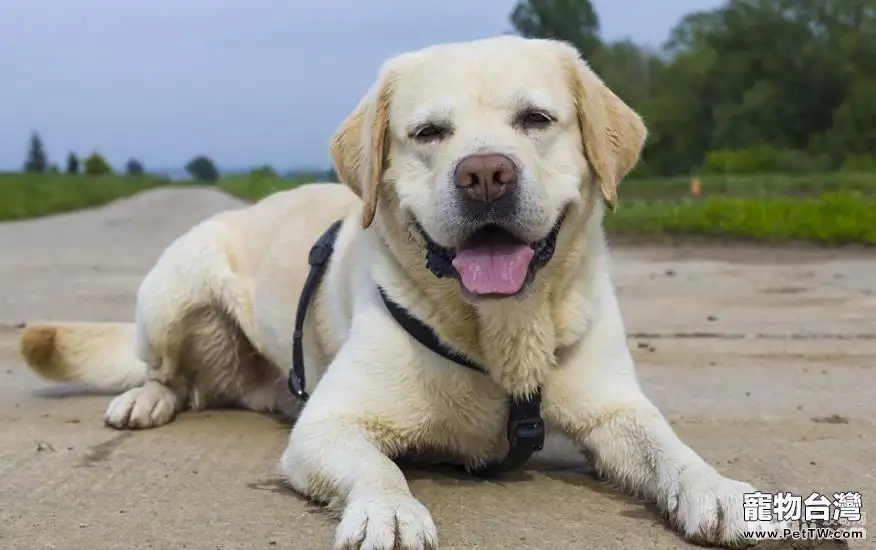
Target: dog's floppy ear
point(360, 146)
point(612, 133)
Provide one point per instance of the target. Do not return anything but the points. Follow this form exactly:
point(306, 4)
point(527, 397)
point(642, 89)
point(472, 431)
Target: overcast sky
point(243, 81)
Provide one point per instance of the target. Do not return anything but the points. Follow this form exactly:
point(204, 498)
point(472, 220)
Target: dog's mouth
point(492, 261)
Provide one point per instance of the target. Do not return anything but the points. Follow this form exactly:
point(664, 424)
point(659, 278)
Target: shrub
point(859, 163)
point(96, 165)
point(262, 172)
point(764, 159)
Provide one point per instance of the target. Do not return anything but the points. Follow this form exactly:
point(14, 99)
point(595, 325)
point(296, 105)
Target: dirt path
point(764, 360)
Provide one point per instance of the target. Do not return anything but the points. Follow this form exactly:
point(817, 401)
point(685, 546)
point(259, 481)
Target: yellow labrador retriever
point(476, 176)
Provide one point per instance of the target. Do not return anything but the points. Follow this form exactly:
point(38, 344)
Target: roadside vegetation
point(827, 209)
point(25, 196)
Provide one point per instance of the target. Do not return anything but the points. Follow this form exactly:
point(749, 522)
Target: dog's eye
point(429, 132)
point(534, 118)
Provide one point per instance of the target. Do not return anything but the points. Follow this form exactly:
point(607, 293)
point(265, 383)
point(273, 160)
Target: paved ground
point(763, 360)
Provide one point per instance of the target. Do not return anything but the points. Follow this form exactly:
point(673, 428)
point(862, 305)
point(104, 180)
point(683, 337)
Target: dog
point(476, 177)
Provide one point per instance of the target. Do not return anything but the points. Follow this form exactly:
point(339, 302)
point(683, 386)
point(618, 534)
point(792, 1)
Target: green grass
point(827, 209)
point(830, 219)
point(766, 185)
point(253, 189)
point(30, 196)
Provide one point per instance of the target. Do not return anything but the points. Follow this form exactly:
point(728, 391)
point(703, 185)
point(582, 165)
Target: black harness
point(525, 430)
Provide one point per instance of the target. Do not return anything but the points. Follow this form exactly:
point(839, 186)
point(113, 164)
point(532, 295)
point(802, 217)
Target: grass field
point(828, 209)
point(31, 196)
point(766, 185)
point(838, 218)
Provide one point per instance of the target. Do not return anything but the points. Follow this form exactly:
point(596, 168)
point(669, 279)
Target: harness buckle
point(320, 253)
point(526, 433)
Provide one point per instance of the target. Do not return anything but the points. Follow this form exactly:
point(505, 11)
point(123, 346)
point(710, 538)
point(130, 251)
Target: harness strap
point(318, 260)
point(424, 334)
point(525, 430)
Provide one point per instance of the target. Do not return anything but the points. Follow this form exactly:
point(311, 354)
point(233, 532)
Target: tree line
point(755, 85)
point(201, 168)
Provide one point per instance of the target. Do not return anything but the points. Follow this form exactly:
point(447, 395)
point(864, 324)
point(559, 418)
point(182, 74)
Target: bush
point(763, 159)
point(96, 165)
point(859, 163)
point(262, 172)
point(642, 170)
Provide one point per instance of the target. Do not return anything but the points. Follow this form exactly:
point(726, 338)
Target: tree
point(629, 70)
point(202, 169)
point(574, 21)
point(36, 162)
point(134, 168)
point(72, 164)
point(96, 165)
point(854, 122)
point(762, 72)
point(794, 75)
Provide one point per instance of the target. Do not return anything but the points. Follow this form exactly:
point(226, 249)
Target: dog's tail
point(100, 355)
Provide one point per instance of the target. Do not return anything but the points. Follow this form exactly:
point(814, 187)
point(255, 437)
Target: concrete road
point(762, 359)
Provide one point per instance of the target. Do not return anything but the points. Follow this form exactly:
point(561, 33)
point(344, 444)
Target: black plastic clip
point(525, 426)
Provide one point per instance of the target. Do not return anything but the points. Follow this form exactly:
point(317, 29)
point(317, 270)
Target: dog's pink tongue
point(493, 269)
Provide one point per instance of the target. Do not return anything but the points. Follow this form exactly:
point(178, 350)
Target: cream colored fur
point(215, 315)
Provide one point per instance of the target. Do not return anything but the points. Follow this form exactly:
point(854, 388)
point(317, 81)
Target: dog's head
point(483, 147)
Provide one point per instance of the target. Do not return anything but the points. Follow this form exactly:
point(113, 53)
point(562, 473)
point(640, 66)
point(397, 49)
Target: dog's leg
point(595, 399)
point(162, 395)
point(339, 451)
point(189, 311)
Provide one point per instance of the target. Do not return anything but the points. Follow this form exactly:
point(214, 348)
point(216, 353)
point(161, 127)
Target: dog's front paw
point(706, 507)
point(381, 522)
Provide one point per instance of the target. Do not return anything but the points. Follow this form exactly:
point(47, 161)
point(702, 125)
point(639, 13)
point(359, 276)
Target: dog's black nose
point(485, 177)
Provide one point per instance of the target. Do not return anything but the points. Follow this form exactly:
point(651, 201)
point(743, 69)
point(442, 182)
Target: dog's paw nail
point(386, 523)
